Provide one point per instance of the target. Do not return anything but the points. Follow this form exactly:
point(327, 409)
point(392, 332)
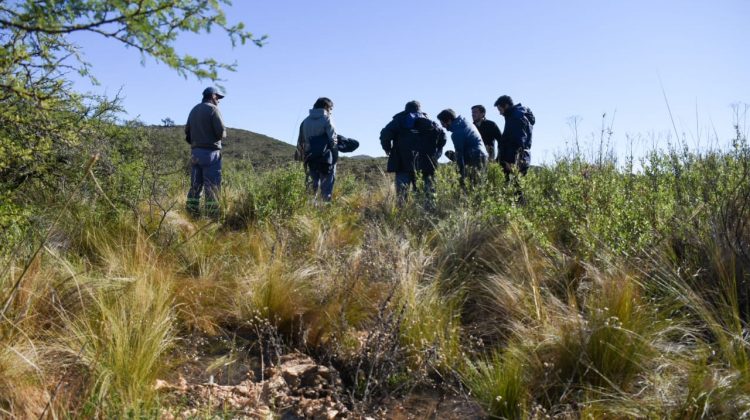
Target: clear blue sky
point(561, 58)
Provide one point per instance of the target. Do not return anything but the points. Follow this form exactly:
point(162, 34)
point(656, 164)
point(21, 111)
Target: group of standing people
point(411, 140)
point(414, 143)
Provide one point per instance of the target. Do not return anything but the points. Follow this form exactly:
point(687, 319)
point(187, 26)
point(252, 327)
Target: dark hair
point(412, 106)
point(207, 97)
point(481, 108)
point(323, 103)
point(446, 115)
point(504, 100)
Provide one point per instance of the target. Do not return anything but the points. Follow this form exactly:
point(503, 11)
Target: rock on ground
point(297, 387)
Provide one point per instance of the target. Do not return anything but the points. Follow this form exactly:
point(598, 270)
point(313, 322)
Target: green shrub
point(272, 198)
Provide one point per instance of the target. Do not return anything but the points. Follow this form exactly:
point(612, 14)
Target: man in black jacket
point(413, 144)
point(487, 129)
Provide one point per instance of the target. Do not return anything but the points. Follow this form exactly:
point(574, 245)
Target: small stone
point(160, 384)
point(182, 384)
point(242, 389)
point(165, 415)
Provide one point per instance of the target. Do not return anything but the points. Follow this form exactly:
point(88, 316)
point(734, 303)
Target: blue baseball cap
point(211, 91)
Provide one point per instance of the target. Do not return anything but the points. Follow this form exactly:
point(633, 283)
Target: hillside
point(261, 151)
point(244, 147)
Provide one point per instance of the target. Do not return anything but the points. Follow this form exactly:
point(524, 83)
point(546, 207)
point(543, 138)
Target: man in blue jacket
point(204, 131)
point(470, 154)
point(515, 143)
point(413, 144)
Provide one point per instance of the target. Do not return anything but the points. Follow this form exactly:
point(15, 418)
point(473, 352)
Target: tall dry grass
point(591, 300)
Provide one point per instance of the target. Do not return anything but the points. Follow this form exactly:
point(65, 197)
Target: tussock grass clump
point(121, 341)
point(498, 382)
point(22, 378)
point(431, 327)
point(609, 292)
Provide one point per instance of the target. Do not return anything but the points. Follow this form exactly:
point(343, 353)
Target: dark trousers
point(205, 176)
point(520, 158)
point(516, 160)
point(322, 180)
point(407, 181)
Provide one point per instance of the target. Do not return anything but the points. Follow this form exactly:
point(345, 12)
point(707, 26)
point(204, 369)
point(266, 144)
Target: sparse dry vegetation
point(611, 293)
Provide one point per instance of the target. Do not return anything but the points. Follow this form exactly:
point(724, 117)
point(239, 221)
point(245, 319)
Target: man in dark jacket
point(317, 147)
point(204, 132)
point(413, 144)
point(470, 155)
point(515, 144)
point(487, 129)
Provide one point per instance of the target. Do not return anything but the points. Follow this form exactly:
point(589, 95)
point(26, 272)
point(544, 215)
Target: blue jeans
point(205, 175)
point(324, 181)
point(406, 181)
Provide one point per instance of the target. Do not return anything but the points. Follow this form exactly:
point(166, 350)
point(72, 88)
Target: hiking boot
point(193, 208)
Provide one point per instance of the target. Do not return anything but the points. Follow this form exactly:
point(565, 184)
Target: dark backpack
point(530, 121)
point(319, 153)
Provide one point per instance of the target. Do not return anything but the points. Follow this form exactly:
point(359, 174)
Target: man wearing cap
point(413, 144)
point(204, 132)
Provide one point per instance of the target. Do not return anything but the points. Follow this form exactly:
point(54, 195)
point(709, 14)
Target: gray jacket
point(205, 128)
point(317, 123)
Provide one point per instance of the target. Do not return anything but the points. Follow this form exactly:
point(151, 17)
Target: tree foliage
point(43, 121)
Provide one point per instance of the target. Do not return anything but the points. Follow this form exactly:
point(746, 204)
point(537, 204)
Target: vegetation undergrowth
point(610, 292)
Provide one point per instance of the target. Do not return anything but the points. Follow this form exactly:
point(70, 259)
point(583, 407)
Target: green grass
point(498, 383)
point(609, 294)
point(121, 340)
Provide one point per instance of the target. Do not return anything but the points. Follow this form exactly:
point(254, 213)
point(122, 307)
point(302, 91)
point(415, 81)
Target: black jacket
point(412, 142)
point(490, 133)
